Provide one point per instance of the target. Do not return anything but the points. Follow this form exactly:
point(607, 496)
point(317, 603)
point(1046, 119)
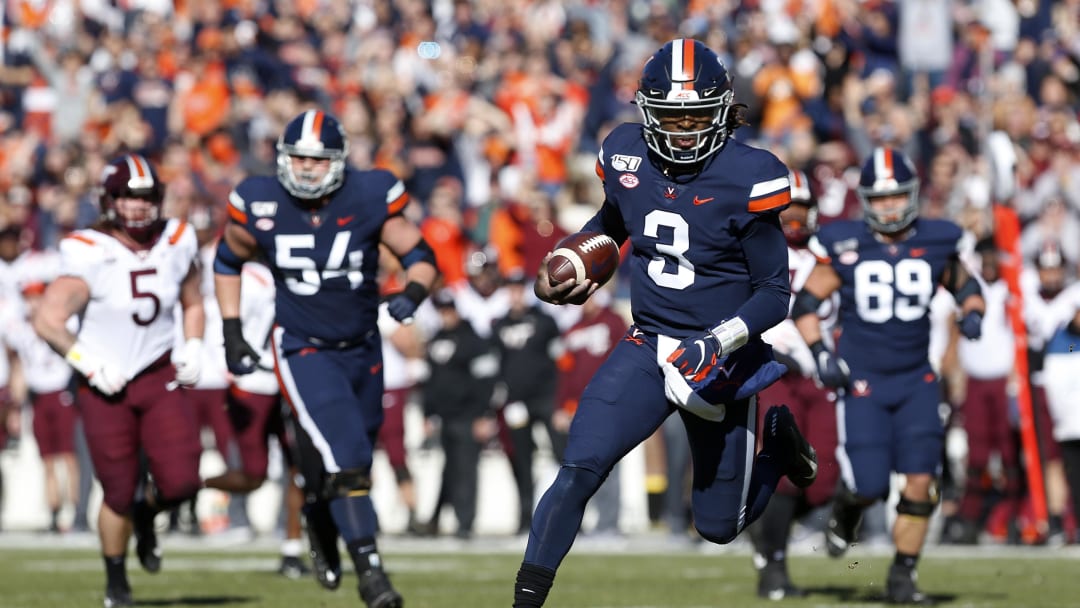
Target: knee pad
point(916, 508)
point(349, 482)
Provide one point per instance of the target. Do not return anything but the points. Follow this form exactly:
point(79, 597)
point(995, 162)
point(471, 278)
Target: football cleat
point(843, 526)
point(774, 584)
point(146, 544)
point(323, 539)
point(901, 588)
point(783, 439)
point(117, 597)
point(292, 567)
point(377, 592)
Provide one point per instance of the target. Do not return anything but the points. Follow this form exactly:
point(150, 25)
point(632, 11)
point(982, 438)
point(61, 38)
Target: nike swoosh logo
point(341, 221)
point(918, 252)
point(701, 361)
point(702, 201)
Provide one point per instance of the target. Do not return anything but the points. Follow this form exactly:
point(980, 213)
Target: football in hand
point(584, 255)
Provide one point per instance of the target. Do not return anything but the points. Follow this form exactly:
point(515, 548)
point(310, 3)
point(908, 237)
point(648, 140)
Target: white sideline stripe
point(302, 414)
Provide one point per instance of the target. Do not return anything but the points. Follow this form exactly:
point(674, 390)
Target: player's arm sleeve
point(766, 254)
point(608, 219)
point(81, 257)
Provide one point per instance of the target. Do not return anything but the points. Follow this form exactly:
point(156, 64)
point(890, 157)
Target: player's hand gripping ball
point(584, 255)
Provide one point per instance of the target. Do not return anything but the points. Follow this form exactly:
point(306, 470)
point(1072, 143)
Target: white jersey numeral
point(306, 279)
point(672, 252)
point(883, 292)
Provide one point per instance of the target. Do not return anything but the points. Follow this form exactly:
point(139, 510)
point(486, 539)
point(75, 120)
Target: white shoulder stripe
point(395, 191)
point(600, 157)
point(237, 201)
point(769, 187)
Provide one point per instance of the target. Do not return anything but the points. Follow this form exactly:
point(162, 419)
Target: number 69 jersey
point(886, 289)
point(129, 318)
point(324, 262)
point(688, 268)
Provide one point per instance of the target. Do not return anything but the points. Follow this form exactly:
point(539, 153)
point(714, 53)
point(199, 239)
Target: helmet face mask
point(685, 97)
point(312, 135)
point(131, 197)
point(888, 191)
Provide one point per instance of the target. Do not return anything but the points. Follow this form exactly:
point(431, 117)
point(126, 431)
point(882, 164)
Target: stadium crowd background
point(492, 110)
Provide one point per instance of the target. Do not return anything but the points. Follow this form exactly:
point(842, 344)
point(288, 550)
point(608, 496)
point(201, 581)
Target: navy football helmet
point(888, 172)
point(798, 231)
point(314, 134)
point(132, 176)
point(685, 77)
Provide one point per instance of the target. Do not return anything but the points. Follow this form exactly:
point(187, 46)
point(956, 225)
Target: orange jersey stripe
point(770, 202)
point(175, 238)
point(237, 215)
point(398, 204)
point(81, 239)
point(599, 170)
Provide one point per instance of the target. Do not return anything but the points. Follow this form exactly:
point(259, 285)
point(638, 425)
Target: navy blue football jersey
point(324, 262)
point(886, 289)
point(688, 269)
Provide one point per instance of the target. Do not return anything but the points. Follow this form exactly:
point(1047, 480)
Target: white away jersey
point(257, 295)
point(129, 319)
point(784, 337)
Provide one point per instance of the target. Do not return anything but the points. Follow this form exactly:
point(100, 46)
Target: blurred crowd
point(492, 112)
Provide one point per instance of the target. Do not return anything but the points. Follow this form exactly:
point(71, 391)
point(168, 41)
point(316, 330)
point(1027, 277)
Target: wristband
point(731, 334)
point(817, 348)
point(76, 356)
point(415, 292)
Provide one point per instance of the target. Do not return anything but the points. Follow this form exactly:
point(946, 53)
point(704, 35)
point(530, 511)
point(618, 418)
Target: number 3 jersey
point(129, 318)
point(886, 289)
point(324, 261)
point(688, 268)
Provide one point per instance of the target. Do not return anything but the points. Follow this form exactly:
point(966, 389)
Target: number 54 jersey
point(886, 290)
point(324, 261)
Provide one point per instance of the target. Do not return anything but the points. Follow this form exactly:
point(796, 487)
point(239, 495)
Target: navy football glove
point(832, 370)
point(971, 325)
point(240, 357)
point(402, 305)
point(696, 357)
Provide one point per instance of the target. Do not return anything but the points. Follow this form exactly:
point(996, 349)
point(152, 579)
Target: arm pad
point(226, 261)
point(969, 288)
point(422, 252)
point(805, 303)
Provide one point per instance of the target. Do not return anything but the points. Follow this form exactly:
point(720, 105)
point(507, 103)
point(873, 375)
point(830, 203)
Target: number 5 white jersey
point(129, 319)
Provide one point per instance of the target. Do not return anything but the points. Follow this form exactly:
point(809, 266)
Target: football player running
point(886, 269)
point(124, 276)
point(811, 404)
point(709, 273)
point(318, 226)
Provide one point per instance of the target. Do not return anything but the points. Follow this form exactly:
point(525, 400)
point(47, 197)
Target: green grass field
point(55, 578)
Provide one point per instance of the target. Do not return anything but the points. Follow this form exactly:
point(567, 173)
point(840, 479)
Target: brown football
point(584, 255)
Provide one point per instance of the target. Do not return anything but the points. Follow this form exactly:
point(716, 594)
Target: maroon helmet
point(132, 176)
point(798, 233)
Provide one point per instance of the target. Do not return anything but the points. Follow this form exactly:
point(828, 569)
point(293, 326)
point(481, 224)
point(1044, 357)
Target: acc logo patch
point(622, 162)
point(629, 180)
point(263, 208)
point(264, 223)
point(848, 257)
